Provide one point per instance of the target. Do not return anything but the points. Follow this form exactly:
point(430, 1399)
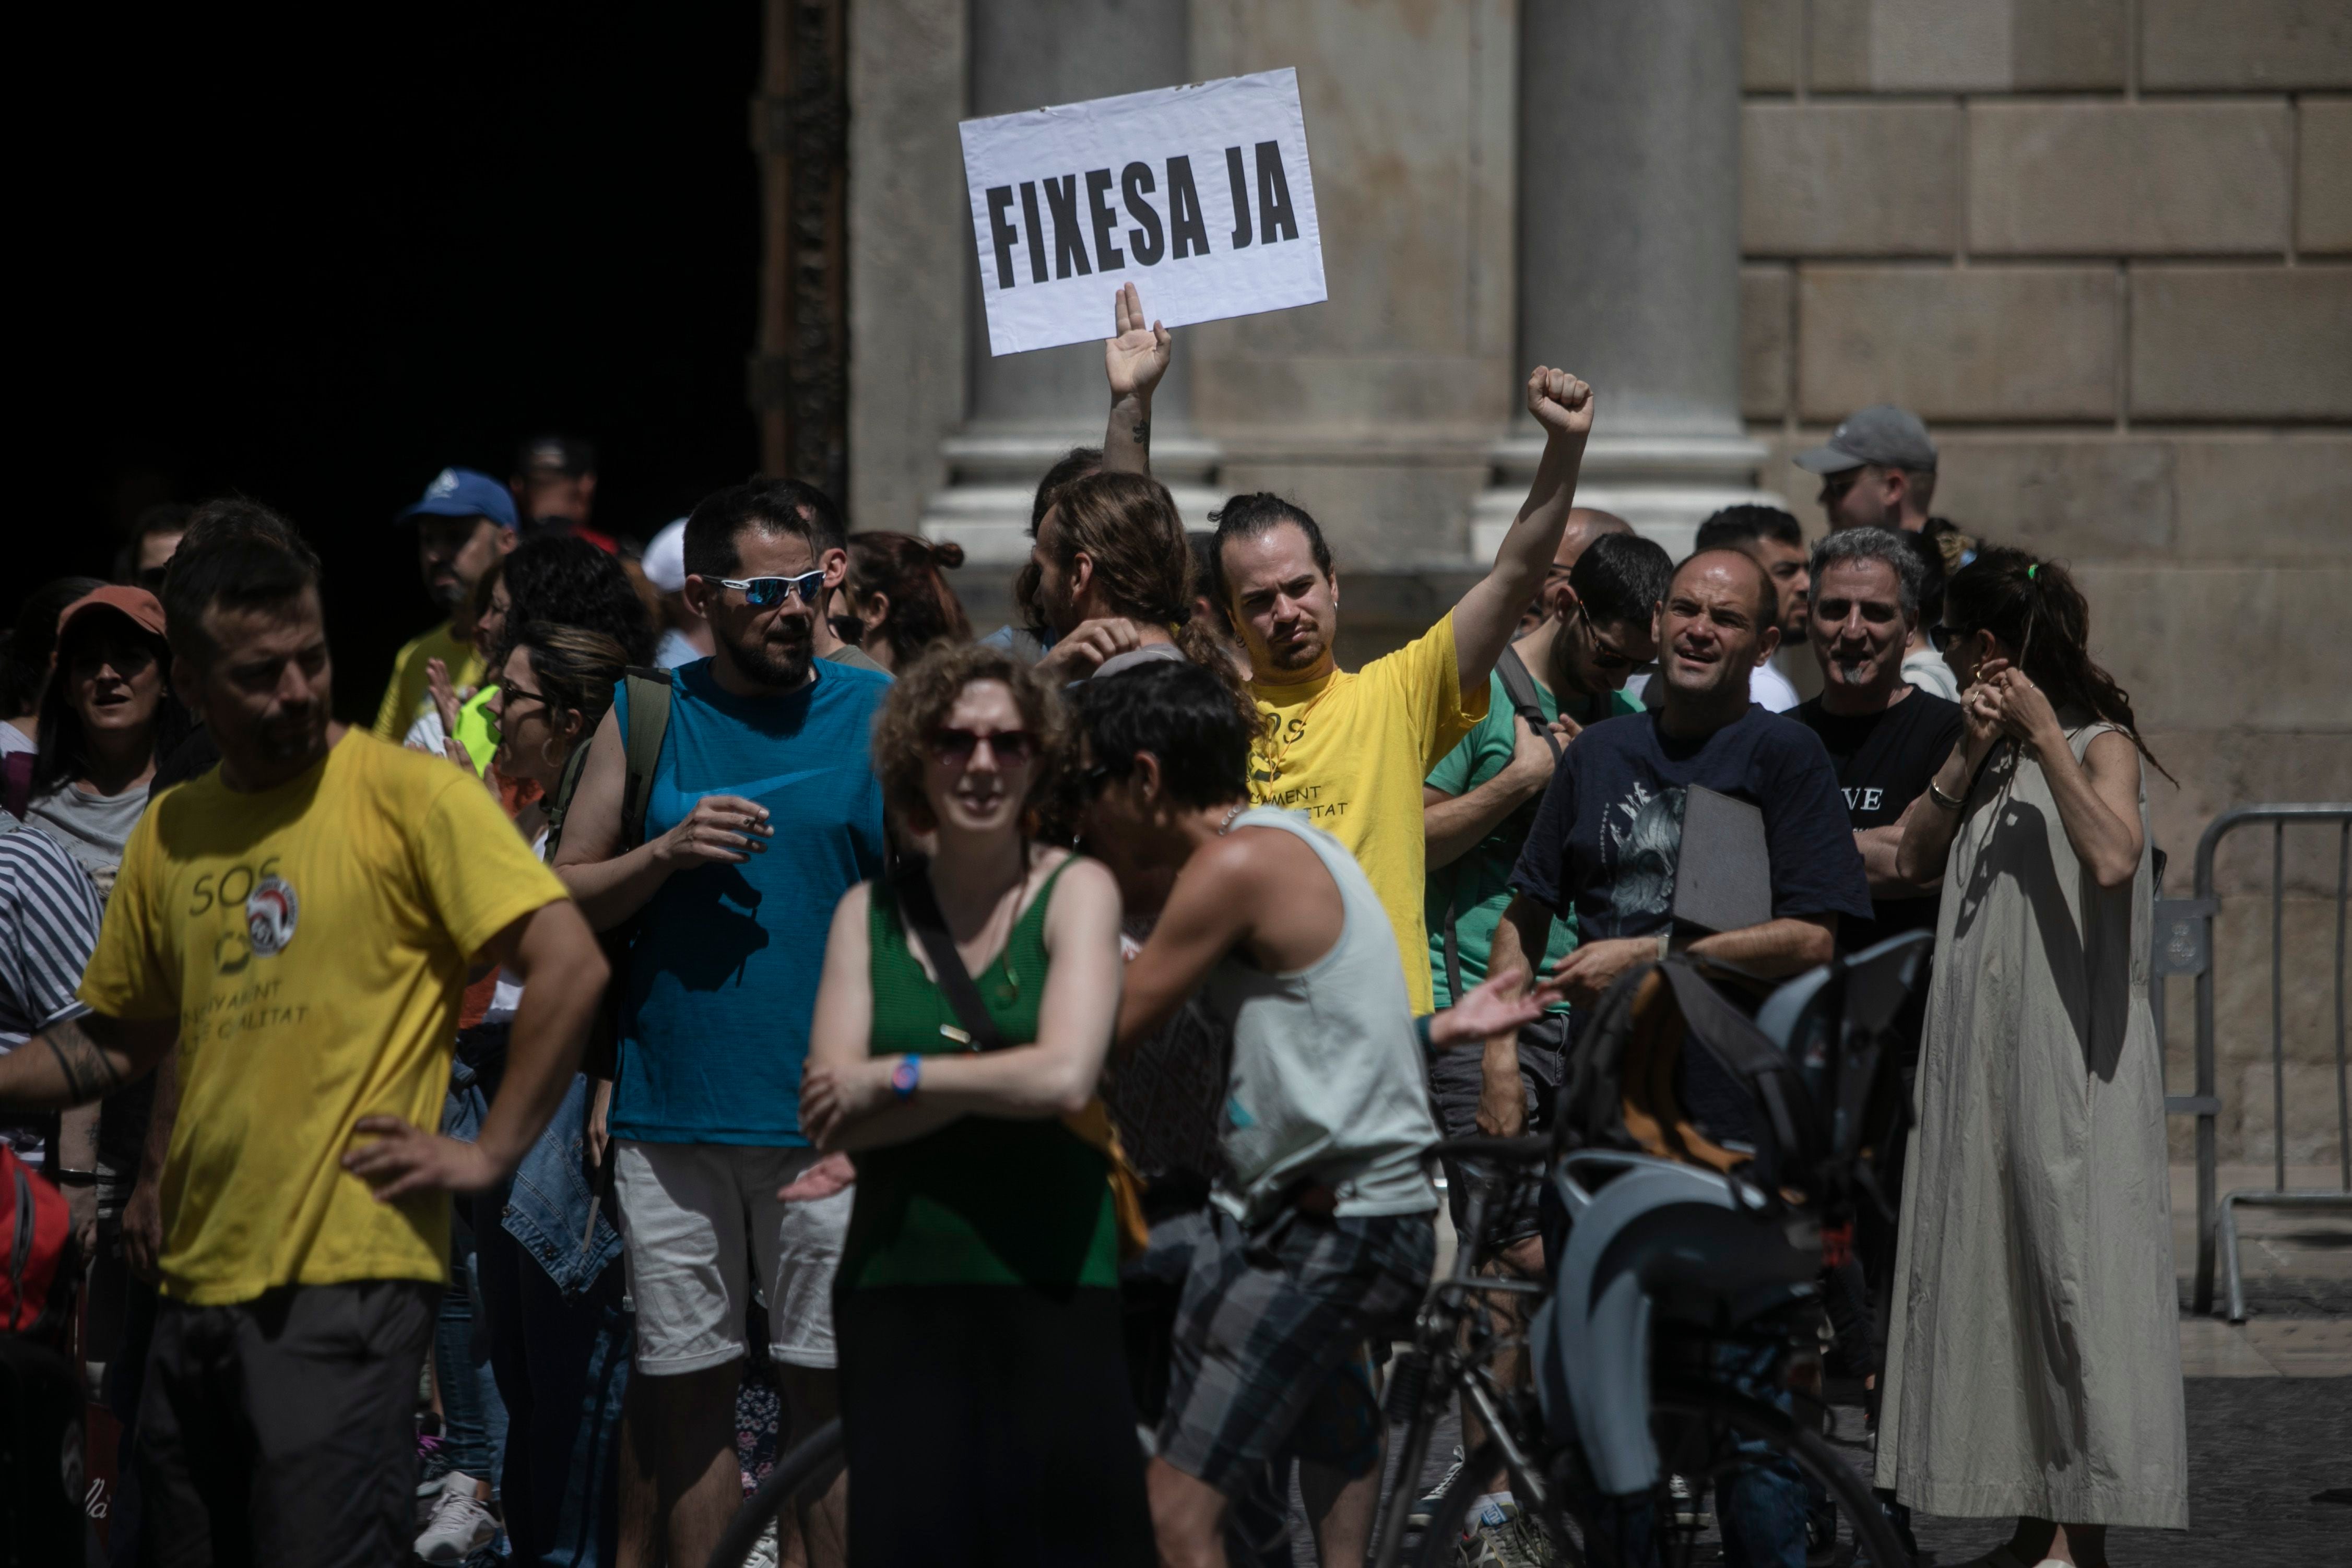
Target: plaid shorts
point(1269, 1347)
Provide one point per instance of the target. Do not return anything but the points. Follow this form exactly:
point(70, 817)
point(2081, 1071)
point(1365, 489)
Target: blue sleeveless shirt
point(722, 982)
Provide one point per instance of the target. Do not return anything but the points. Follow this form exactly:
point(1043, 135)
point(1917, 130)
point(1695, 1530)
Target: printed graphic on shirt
point(1642, 842)
point(1319, 802)
point(270, 915)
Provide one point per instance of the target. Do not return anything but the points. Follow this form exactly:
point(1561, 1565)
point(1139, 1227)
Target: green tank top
point(984, 1200)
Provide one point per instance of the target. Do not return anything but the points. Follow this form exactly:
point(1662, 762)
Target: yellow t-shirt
point(312, 940)
point(408, 697)
point(1351, 750)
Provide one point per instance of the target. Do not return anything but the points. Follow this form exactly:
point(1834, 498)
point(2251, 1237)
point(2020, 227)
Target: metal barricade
point(2182, 940)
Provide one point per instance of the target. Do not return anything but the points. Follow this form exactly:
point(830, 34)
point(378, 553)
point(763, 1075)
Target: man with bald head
point(1607, 840)
point(1585, 524)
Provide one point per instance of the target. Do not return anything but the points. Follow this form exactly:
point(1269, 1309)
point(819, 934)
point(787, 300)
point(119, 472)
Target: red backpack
point(38, 1267)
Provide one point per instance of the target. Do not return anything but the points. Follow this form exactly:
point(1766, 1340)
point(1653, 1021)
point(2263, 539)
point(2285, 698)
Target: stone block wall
point(2104, 248)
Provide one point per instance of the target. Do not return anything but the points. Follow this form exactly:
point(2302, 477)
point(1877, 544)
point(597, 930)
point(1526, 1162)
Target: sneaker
point(432, 1469)
point(1426, 1509)
point(1505, 1537)
point(461, 1525)
point(1690, 1513)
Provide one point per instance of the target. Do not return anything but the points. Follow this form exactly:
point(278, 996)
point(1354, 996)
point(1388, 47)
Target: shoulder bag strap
point(921, 908)
point(649, 693)
point(1520, 687)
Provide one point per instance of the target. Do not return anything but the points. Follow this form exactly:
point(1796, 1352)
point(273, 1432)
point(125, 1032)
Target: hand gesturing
point(1561, 404)
point(1137, 356)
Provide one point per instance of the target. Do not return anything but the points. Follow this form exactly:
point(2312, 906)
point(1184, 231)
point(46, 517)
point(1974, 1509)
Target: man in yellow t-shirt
point(465, 522)
point(299, 925)
point(1350, 748)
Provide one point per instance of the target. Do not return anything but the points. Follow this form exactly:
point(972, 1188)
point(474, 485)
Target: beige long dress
point(2033, 1366)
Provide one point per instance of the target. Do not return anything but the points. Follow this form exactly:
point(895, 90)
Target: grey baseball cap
point(1883, 434)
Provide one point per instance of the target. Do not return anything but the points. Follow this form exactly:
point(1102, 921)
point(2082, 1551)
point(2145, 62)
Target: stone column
point(1026, 410)
point(1629, 256)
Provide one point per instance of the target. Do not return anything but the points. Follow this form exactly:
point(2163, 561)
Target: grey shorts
point(1269, 1345)
point(282, 1429)
point(1454, 1080)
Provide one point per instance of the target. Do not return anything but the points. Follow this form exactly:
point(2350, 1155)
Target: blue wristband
point(906, 1076)
point(1420, 1031)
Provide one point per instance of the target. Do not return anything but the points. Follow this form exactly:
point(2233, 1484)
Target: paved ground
point(2261, 1452)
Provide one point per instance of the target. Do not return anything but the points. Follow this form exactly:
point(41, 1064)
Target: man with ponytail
point(2033, 1366)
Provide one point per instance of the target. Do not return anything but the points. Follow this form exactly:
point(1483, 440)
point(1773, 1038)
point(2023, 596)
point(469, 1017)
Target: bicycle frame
point(1440, 1368)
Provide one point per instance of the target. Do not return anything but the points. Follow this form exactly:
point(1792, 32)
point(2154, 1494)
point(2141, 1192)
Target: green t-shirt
point(985, 1201)
point(1477, 887)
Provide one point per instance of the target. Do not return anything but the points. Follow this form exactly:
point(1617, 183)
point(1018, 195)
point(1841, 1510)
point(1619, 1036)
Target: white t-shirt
point(15, 740)
point(507, 996)
point(1927, 670)
point(1768, 688)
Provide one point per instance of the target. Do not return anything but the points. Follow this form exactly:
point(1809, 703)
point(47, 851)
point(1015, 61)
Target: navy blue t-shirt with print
point(722, 981)
point(1608, 836)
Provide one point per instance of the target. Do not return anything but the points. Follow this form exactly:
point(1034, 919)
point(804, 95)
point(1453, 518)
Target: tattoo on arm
point(1143, 429)
point(89, 1074)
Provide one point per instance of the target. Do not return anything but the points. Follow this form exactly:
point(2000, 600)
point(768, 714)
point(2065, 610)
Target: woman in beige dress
point(2033, 1368)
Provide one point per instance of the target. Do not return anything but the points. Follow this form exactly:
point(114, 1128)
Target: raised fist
point(1561, 404)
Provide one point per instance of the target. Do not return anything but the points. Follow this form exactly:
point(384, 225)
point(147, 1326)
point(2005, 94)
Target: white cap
point(665, 558)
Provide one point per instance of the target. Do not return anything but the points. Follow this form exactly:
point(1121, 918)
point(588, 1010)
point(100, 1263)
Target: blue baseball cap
point(463, 493)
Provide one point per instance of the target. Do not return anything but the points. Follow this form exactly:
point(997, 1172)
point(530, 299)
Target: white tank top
point(1327, 1080)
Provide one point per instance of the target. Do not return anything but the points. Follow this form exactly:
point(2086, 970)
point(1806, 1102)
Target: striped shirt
point(48, 927)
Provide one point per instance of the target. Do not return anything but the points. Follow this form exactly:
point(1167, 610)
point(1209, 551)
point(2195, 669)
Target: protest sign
point(1199, 195)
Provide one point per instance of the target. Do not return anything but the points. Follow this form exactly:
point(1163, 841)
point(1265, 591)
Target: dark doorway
point(318, 255)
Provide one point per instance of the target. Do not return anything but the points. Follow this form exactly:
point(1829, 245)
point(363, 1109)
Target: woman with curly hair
point(2033, 1369)
point(980, 1323)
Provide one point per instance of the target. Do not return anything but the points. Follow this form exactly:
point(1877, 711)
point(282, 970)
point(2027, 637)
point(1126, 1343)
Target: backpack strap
point(21, 1253)
point(649, 693)
point(912, 885)
point(561, 806)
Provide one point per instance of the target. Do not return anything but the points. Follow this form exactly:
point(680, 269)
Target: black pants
point(992, 1425)
point(282, 1430)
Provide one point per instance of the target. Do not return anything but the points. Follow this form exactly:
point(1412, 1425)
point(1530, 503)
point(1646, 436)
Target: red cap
point(143, 608)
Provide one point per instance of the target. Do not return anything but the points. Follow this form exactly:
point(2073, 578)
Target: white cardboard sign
point(1199, 195)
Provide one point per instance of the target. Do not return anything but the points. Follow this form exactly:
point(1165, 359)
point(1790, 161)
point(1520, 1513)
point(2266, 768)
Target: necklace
point(1227, 825)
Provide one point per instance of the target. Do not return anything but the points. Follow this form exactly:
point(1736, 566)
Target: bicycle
point(1675, 1363)
point(1667, 1398)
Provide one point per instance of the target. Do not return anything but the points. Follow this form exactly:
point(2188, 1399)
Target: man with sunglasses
point(1478, 806)
point(719, 988)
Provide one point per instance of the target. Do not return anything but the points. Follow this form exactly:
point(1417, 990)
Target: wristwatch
point(907, 1076)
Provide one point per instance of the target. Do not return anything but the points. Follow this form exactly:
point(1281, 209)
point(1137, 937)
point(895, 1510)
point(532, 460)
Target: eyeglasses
point(1943, 638)
point(1604, 656)
point(1011, 748)
point(1836, 484)
point(1092, 781)
point(510, 699)
point(767, 592)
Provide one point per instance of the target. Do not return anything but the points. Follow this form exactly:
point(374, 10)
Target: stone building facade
point(2103, 246)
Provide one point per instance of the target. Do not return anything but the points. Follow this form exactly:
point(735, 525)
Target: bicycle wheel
point(1743, 1465)
point(800, 1475)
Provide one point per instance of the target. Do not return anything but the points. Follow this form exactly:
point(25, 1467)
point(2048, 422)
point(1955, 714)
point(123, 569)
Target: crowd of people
point(715, 958)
